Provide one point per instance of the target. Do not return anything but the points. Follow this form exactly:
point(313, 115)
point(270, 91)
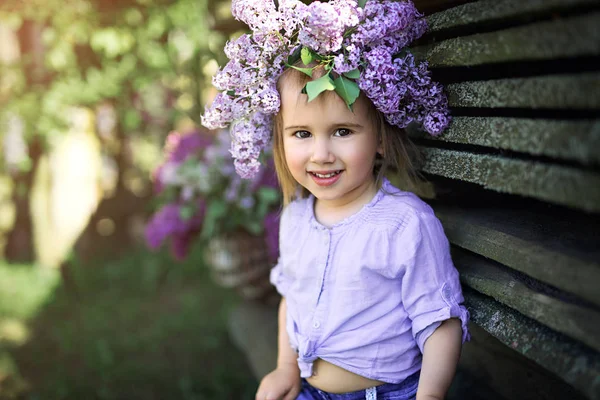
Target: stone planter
point(240, 261)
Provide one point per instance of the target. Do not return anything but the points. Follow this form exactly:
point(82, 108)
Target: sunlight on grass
point(24, 289)
point(13, 331)
point(140, 327)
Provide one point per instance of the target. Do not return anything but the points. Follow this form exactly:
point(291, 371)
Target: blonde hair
point(398, 151)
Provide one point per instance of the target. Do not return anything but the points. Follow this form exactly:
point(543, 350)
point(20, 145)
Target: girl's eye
point(343, 132)
point(302, 134)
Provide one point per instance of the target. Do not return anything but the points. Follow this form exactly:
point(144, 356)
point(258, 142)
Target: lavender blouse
point(366, 293)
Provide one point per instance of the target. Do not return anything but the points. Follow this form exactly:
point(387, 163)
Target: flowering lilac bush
point(201, 195)
point(361, 46)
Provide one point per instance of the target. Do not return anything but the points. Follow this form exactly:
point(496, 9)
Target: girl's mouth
point(323, 178)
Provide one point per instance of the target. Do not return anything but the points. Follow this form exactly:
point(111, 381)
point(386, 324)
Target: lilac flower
point(168, 222)
point(347, 37)
point(271, 226)
point(199, 170)
point(348, 60)
point(267, 101)
point(253, 12)
point(324, 29)
point(184, 145)
point(247, 202)
point(292, 14)
point(435, 122)
point(180, 245)
point(249, 138)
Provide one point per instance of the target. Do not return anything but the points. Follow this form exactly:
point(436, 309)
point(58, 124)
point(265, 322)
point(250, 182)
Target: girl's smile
point(323, 178)
point(329, 149)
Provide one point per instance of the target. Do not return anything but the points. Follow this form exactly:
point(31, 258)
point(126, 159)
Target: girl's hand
point(281, 384)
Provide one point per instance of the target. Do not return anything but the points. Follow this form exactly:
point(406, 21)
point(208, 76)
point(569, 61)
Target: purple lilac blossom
point(168, 223)
point(253, 12)
point(247, 202)
point(371, 40)
point(249, 138)
point(292, 14)
point(326, 24)
point(271, 226)
point(186, 144)
point(180, 245)
point(177, 148)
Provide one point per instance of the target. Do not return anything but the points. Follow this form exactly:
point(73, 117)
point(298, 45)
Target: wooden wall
point(517, 179)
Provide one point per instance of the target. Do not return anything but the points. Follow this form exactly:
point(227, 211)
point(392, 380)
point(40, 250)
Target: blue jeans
point(406, 390)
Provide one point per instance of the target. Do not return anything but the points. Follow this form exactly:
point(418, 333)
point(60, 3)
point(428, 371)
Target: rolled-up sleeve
point(279, 280)
point(431, 291)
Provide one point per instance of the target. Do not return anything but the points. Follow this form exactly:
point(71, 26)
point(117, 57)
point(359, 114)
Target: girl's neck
point(331, 212)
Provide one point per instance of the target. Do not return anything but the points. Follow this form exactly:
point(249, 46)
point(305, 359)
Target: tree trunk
point(19, 245)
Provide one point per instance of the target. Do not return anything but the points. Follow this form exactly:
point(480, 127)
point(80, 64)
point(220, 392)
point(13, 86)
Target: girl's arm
point(286, 356)
point(284, 381)
point(440, 357)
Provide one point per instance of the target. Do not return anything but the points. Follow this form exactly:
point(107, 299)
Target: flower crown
point(361, 46)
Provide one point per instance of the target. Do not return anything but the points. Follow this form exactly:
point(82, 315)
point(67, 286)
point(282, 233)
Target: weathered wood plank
point(567, 140)
point(581, 91)
point(554, 183)
point(555, 253)
point(507, 373)
point(487, 11)
point(577, 364)
point(561, 38)
point(577, 321)
point(432, 6)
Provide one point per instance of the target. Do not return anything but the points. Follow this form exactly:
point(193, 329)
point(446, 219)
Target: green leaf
point(268, 195)
point(354, 74)
point(306, 55)
point(187, 212)
point(131, 120)
point(216, 210)
point(294, 57)
point(316, 87)
point(254, 227)
point(307, 71)
point(362, 3)
point(347, 90)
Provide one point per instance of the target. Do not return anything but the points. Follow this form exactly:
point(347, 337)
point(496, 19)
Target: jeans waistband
point(407, 387)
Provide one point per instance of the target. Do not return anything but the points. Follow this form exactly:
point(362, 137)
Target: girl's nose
point(322, 152)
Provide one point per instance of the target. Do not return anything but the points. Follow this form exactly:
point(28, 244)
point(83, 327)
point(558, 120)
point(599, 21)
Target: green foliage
point(344, 85)
point(354, 74)
point(216, 210)
point(318, 86)
point(307, 71)
point(24, 289)
point(96, 53)
point(306, 55)
point(133, 328)
point(348, 90)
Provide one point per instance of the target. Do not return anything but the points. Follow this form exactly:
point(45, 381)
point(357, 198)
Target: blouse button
point(316, 324)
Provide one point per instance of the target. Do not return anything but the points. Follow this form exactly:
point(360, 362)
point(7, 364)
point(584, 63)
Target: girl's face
point(329, 149)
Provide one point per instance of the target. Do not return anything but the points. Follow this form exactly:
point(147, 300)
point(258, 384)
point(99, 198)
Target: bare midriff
point(333, 379)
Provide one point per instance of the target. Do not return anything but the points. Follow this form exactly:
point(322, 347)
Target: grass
point(126, 329)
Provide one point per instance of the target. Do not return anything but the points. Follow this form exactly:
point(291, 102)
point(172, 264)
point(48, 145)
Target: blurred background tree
point(89, 90)
point(106, 80)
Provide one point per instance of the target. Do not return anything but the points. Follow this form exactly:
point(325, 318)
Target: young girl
point(371, 304)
